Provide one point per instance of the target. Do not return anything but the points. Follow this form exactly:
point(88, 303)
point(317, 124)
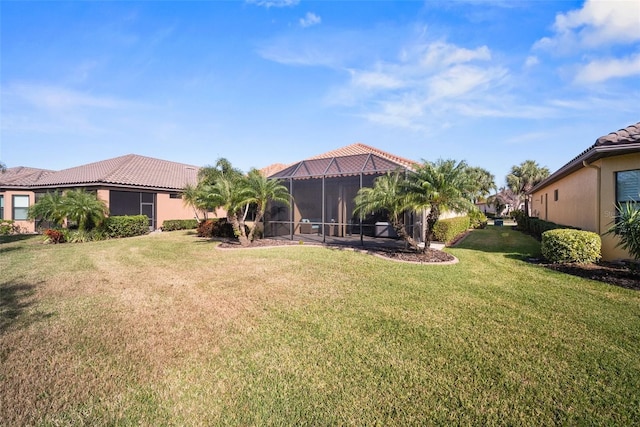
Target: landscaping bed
point(607, 272)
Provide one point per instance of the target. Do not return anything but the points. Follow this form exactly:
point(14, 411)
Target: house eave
point(589, 156)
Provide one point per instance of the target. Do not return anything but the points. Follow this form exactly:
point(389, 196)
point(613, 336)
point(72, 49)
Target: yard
point(166, 329)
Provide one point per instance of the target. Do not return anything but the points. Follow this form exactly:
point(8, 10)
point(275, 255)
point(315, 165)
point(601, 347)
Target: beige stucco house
point(584, 192)
point(130, 185)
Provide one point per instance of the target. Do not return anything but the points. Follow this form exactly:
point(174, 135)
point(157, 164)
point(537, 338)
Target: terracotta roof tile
point(129, 170)
point(273, 168)
point(359, 148)
point(21, 176)
point(628, 135)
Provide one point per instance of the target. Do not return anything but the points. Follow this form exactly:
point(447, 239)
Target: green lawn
point(166, 329)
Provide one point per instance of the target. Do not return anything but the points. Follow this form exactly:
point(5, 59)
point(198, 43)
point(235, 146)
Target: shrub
point(567, 245)
point(536, 226)
point(179, 224)
point(218, 227)
point(54, 236)
point(8, 227)
point(126, 226)
point(445, 230)
point(477, 219)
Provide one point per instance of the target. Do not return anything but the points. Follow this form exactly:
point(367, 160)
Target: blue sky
point(258, 82)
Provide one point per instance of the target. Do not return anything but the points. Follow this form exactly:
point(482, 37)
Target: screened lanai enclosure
point(322, 199)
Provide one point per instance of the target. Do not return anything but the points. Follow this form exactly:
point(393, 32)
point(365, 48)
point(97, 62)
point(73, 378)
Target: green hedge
point(477, 219)
point(448, 229)
point(179, 224)
point(126, 226)
point(566, 245)
point(536, 226)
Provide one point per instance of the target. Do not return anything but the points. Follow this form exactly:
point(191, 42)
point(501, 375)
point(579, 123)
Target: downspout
point(598, 192)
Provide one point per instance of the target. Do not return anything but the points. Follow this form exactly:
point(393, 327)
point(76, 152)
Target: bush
point(179, 224)
point(8, 227)
point(218, 227)
point(126, 226)
point(536, 226)
point(477, 219)
point(627, 228)
point(567, 245)
point(54, 236)
point(446, 230)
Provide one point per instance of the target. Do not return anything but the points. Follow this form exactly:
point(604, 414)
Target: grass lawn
point(166, 329)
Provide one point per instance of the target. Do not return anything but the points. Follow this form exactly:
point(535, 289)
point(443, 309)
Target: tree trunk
point(258, 218)
point(432, 218)
point(399, 227)
point(238, 229)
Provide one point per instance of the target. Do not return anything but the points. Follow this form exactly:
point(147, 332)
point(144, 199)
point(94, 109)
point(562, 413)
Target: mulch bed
point(613, 274)
point(429, 256)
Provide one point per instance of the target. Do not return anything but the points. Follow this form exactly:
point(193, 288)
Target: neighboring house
point(584, 192)
point(323, 189)
point(130, 185)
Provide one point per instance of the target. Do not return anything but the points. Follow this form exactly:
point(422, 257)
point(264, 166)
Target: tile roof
point(623, 141)
point(130, 170)
point(350, 160)
point(21, 176)
point(359, 148)
point(272, 169)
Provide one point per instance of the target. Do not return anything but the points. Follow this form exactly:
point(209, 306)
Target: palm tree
point(387, 194)
point(3, 167)
point(51, 207)
point(84, 208)
point(524, 177)
point(482, 182)
point(439, 186)
point(231, 193)
point(195, 196)
point(260, 191)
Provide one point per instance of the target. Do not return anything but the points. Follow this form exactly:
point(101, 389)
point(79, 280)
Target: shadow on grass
point(15, 300)
point(16, 238)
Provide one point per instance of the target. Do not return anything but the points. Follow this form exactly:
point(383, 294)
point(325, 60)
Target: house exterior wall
point(27, 226)
point(168, 208)
point(577, 200)
point(587, 199)
point(609, 166)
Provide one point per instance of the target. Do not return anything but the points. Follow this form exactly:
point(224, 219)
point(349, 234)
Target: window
point(555, 195)
point(175, 196)
point(628, 186)
point(1, 207)
point(20, 208)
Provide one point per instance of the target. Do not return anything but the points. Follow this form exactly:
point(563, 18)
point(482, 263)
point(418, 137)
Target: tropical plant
point(195, 196)
point(51, 207)
point(626, 227)
point(439, 186)
point(260, 191)
point(524, 177)
point(3, 167)
point(83, 208)
point(388, 194)
point(482, 182)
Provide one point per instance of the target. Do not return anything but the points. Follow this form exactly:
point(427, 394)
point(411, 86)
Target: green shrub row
point(446, 230)
point(570, 245)
point(536, 226)
point(179, 224)
point(477, 219)
point(126, 226)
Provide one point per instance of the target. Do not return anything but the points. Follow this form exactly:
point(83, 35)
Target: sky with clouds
point(264, 81)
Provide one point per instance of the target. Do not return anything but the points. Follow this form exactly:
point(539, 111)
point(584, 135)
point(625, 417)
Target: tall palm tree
point(84, 208)
point(51, 207)
point(260, 191)
point(387, 194)
point(524, 177)
point(439, 186)
point(482, 182)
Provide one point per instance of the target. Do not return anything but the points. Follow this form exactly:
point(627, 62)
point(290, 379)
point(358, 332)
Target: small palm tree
point(231, 194)
point(524, 177)
point(51, 207)
point(261, 191)
point(194, 196)
point(387, 194)
point(84, 208)
point(439, 186)
point(627, 228)
point(3, 167)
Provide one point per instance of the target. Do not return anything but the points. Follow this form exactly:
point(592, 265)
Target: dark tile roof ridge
point(625, 135)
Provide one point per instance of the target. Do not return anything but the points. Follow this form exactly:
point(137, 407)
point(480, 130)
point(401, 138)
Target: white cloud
point(600, 70)
point(531, 61)
point(59, 98)
point(375, 80)
point(274, 3)
point(598, 23)
point(309, 20)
